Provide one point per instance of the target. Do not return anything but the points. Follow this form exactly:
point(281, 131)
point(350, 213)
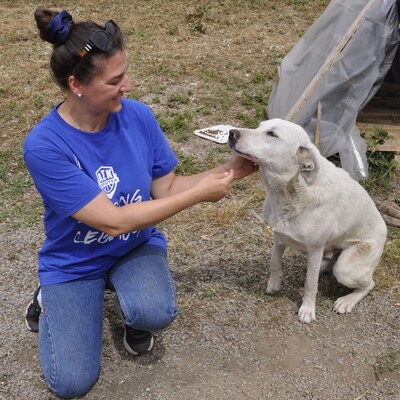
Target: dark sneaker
point(137, 342)
point(32, 313)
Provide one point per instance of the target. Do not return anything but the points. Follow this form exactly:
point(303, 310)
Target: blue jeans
point(70, 326)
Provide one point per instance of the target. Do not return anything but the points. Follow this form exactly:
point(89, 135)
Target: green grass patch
point(17, 208)
point(381, 165)
point(386, 364)
point(188, 164)
point(177, 99)
point(175, 125)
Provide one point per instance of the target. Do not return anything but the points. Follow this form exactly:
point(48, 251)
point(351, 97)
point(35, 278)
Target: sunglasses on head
point(100, 40)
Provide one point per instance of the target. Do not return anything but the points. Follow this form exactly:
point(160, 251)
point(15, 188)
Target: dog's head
point(281, 148)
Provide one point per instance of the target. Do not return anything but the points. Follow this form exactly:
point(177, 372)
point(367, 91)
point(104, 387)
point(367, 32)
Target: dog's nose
point(234, 134)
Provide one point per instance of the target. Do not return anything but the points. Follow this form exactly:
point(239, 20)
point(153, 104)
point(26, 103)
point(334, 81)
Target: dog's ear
point(308, 162)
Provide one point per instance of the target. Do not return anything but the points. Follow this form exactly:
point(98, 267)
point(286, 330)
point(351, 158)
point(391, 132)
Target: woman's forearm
point(102, 214)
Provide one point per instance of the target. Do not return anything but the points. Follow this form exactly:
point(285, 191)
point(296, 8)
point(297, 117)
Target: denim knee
point(153, 317)
point(144, 285)
point(71, 384)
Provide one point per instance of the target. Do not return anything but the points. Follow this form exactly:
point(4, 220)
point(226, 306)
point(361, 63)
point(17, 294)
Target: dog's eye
point(271, 133)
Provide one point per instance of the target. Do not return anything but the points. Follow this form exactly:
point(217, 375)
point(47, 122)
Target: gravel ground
point(229, 342)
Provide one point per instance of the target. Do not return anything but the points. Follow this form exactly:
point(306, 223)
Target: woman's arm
point(102, 214)
point(171, 195)
point(173, 184)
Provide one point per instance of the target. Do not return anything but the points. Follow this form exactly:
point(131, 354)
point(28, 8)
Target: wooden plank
point(381, 115)
point(383, 109)
point(383, 102)
point(389, 89)
point(387, 96)
point(329, 61)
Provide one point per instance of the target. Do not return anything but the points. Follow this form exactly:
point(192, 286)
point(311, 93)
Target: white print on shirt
point(77, 162)
point(107, 180)
point(101, 237)
point(136, 198)
point(92, 236)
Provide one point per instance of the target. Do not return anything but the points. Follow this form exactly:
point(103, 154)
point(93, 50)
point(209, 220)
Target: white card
point(216, 133)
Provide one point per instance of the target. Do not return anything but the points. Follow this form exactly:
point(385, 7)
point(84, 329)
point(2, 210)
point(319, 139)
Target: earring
point(79, 94)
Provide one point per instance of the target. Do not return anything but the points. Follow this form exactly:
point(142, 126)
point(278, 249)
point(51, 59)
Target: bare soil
point(231, 340)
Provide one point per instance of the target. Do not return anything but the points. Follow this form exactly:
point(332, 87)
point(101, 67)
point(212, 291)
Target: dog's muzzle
point(234, 135)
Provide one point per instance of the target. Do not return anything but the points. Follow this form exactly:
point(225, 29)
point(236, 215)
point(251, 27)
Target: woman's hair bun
point(53, 26)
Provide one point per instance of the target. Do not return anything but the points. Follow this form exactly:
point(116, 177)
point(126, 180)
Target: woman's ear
point(75, 86)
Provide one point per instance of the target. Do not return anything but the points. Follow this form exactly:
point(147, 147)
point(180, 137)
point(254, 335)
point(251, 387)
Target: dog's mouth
point(245, 155)
point(232, 144)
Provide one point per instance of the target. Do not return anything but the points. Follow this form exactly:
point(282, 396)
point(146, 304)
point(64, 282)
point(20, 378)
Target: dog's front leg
point(307, 309)
point(275, 280)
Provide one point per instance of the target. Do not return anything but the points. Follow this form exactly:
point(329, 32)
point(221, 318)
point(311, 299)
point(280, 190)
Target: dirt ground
point(231, 341)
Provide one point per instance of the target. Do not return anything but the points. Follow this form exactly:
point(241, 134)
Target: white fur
point(316, 208)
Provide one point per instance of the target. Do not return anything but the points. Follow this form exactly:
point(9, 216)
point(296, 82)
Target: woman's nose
point(126, 84)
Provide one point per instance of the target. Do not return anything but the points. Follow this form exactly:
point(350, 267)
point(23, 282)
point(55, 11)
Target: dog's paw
point(306, 314)
point(344, 305)
point(274, 285)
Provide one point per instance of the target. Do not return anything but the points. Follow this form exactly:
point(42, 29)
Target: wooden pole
point(317, 128)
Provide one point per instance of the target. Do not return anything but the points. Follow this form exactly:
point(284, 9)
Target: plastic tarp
point(341, 61)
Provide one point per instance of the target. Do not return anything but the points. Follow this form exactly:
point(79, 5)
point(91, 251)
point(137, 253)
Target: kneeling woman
point(106, 175)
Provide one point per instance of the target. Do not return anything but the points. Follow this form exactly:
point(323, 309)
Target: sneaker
point(137, 342)
point(32, 313)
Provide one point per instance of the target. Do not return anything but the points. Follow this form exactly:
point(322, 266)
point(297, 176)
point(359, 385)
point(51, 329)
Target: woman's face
point(103, 94)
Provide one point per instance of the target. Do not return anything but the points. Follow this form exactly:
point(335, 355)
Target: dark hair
point(65, 59)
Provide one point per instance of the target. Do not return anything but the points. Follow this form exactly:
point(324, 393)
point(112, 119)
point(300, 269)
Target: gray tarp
point(354, 75)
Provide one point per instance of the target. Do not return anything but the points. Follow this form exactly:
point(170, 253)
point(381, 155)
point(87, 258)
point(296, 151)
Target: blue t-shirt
point(71, 167)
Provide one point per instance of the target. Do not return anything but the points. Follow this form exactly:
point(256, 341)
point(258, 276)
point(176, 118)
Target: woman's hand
point(241, 166)
point(214, 187)
point(235, 168)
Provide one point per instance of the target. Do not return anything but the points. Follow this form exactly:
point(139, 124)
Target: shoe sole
point(26, 321)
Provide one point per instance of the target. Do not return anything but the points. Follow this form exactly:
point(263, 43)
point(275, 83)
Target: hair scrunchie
point(58, 29)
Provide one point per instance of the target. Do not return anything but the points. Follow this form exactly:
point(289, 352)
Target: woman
point(105, 173)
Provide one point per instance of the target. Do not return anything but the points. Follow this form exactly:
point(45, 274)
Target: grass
point(382, 165)
point(196, 64)
point(387, 364)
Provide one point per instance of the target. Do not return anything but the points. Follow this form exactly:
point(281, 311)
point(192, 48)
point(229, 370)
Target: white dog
point(316, 208)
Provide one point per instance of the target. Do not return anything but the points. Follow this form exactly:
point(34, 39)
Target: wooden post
point(317, 128)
